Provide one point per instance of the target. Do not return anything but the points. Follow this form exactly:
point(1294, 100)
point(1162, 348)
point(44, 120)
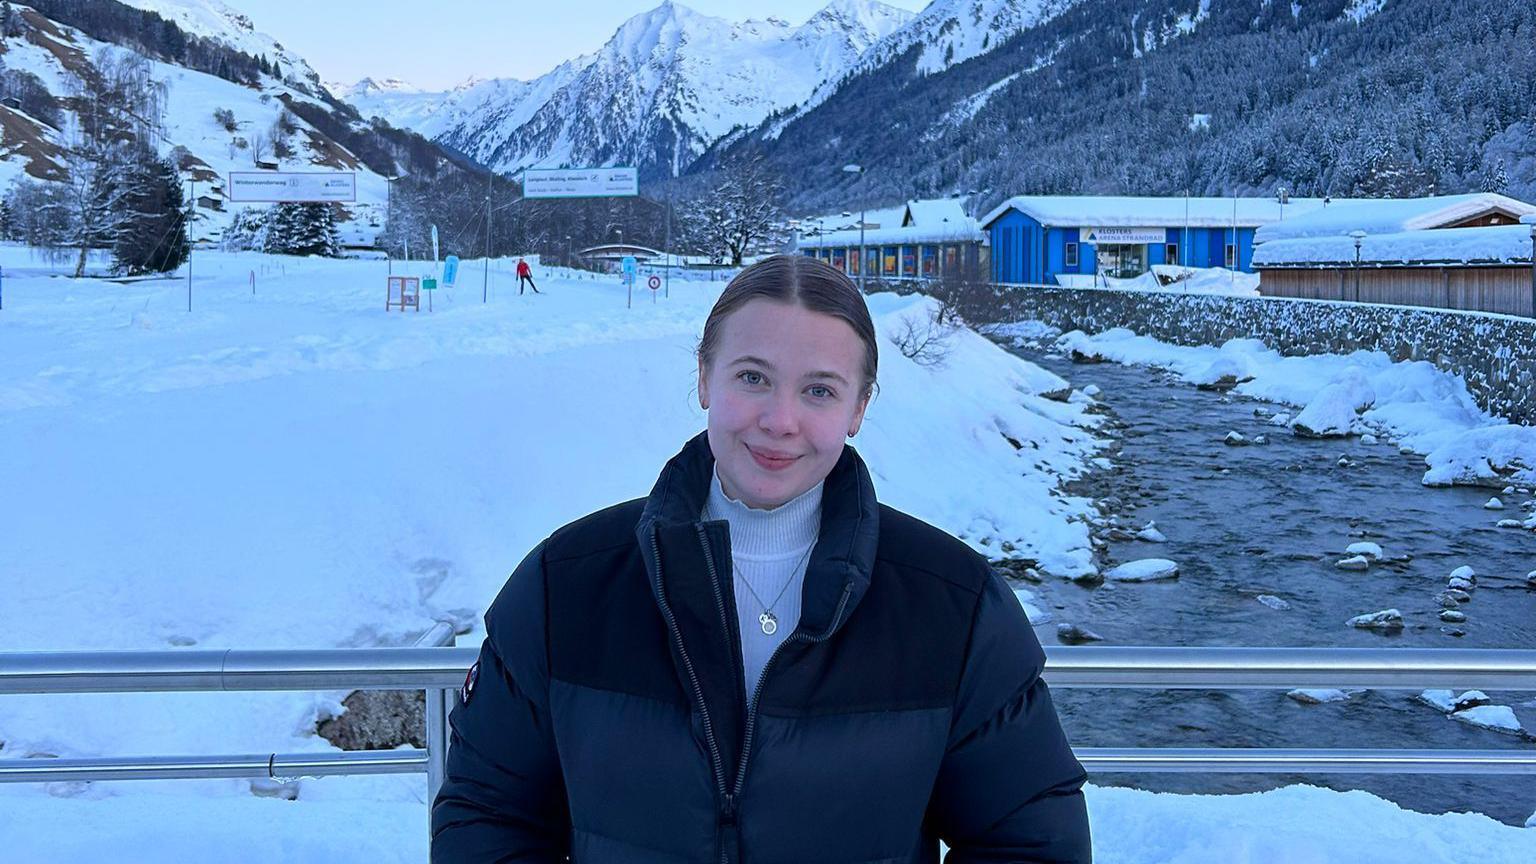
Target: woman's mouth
point(771, 460)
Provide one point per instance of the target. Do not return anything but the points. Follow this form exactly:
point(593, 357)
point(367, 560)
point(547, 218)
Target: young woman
point(760, 662)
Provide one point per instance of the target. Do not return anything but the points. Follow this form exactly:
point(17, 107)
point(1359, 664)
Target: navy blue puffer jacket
point(609, 723)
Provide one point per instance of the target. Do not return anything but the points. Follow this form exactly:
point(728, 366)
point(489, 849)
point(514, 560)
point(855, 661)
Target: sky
point(438, 45)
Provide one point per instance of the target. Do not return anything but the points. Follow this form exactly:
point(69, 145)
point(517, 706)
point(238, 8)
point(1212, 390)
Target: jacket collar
point(844, 556)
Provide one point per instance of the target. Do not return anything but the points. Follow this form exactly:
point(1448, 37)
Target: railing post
point(440, 703)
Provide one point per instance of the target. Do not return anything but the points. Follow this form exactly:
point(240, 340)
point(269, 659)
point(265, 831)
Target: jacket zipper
point(757, 692)
point(716, 760)
point(728, 810)
point(729, 815)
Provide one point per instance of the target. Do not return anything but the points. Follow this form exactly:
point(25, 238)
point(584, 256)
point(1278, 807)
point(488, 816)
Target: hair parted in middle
point(796, 279)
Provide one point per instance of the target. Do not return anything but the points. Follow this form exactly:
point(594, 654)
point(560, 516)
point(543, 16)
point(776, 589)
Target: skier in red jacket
point(525, 273)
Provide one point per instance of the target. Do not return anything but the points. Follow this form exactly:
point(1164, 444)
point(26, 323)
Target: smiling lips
point(772, 460)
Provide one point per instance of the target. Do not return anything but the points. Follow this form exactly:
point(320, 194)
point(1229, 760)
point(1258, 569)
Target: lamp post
point(853, 168)
point(1358, 235)
point(1530, 219)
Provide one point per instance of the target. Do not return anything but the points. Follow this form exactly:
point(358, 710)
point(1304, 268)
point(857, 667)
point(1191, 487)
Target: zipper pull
point(728, 815)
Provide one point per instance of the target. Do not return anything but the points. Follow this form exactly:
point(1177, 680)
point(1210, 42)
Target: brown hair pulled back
point(814, 285)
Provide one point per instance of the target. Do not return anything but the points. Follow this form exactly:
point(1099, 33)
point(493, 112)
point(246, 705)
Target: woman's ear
point(703, 387)
point(858, 418)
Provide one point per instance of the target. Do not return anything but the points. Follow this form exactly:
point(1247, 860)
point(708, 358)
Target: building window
point(888, 267)
point(1071, 254)
point(929, 257)
point(1171, 254)
point(1231, 256)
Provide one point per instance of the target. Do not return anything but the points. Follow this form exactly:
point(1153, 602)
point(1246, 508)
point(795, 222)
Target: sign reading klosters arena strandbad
point(292, 186)
point(580, 182)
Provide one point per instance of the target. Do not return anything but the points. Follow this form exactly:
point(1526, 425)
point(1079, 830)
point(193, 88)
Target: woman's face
point(784, 390)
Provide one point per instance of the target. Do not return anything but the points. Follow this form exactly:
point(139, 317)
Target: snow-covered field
point(297, 467)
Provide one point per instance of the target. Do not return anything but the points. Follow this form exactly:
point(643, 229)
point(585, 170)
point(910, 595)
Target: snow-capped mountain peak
point(669, 83)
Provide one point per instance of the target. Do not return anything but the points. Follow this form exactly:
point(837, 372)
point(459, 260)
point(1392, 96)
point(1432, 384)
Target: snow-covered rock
point(1368, 439)
point(1280, 420)
point(1071, 634)
point(1090, 390)
point(1273, 602)
point(1318, 697)
point(1386, 619)
point(1493, 504)
point(1466, 572)
point(1235, 439)
point(1226, 372)
point(1144, 570)
point(1453, 616)
point(1151, 535)
point(1498, 718)
point(1442, 700)
point(1471, 699)
point(1332, 412)
point(1355, 562)
point(1369, 550)
point(1027, 599)
point(1509, 523)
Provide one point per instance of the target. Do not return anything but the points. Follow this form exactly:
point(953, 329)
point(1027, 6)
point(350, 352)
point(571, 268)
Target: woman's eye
point(750, 377)
point(821, 392)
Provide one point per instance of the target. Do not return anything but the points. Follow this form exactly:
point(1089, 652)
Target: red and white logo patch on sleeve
point(470, 678)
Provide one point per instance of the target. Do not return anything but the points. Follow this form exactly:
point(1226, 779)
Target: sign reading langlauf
point(581, 183)
point(291, 186)
point(1124, 235)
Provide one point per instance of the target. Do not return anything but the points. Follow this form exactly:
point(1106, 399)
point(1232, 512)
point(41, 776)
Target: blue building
point(1080, 240)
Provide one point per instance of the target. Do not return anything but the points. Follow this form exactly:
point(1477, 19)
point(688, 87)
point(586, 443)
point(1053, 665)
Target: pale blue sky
point(438, 44)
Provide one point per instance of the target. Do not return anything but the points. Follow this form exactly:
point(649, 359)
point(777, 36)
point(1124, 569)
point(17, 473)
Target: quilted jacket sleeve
point(1009, 789)
point(503, 798)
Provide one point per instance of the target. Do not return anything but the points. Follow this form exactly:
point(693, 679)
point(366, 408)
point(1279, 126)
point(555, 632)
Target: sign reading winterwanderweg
point(288, 186)
point(580, 183)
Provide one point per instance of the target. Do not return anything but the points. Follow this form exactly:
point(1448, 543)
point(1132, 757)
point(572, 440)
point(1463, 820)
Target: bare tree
point(739, 214)
point(259, 146)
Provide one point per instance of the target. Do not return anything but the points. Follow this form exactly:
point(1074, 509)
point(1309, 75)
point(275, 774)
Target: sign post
point(654, 283)
point(629, 280)
point(617, 182)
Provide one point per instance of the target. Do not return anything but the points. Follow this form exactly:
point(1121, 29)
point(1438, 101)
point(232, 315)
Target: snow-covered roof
point(935, 211)
point(1393, 215)
point(934, 220)
point(1495, 245)
point(1123, 211)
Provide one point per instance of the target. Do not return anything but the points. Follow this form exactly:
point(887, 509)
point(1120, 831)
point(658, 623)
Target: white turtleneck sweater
point(769, 553)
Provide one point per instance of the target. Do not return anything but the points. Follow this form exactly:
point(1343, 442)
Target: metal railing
point(440, 670)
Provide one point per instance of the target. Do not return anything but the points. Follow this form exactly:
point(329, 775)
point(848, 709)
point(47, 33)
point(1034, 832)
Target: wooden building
point(1465, 252)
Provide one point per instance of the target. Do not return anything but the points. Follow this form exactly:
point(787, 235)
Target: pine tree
point(151, 231)
point(9, 25)
point(277, 70)
point(302, 229)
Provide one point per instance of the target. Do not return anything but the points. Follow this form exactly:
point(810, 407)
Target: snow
point(1144, 570)
point(1369, 550)
point(1498, 718)
point(298, 467)
point(1319, 697)
point(1491, 245)
point(1333, 411)
point(1424, 409)
point(1381, 216)
point(1386, 619)
point(1030, 601)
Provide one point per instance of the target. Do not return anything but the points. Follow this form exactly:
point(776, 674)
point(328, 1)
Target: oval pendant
point(770, 624)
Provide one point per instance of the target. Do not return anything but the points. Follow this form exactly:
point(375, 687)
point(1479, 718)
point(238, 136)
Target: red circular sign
point(654, 282)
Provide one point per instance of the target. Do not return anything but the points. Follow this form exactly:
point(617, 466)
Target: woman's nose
point(778, 417)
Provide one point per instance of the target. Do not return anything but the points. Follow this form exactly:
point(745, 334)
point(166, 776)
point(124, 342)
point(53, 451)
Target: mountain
point(196, 81)
point(666, 86)
point(1148, 97)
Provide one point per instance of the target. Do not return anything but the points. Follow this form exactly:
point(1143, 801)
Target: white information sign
point(285, 186)
point(580, 183)
point(1125, 235)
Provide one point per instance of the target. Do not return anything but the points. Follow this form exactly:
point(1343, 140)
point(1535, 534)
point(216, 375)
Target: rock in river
point(1144, 570)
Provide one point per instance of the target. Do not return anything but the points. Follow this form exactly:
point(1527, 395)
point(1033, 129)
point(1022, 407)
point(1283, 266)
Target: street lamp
point(1358, 235)
point(1530, 219)
point(853, 168)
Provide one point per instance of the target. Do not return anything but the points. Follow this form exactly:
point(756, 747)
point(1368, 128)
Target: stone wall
point(1495, 354)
